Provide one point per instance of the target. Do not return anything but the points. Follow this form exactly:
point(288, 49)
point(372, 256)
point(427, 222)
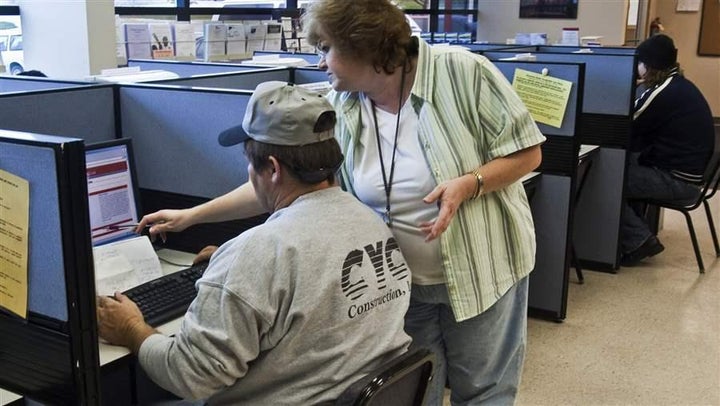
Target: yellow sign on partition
point(14, 220)
point(545, 97)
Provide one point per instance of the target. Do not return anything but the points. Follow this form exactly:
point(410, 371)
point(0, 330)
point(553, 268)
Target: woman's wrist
point(478, 184)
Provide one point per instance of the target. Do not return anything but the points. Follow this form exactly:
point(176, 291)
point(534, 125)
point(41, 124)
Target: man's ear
point(275, 167)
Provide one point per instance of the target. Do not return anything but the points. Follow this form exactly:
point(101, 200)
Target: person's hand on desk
point(163, 221)
point(205, 254)
point(120, 322)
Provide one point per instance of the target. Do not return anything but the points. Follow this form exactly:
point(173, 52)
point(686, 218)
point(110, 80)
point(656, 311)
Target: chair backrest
point(401, 381)
point(712, 173)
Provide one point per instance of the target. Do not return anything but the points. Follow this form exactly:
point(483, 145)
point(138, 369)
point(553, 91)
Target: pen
point(123, 226)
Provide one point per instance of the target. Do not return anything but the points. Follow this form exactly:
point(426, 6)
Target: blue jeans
point(481, 357)
point(645, 182)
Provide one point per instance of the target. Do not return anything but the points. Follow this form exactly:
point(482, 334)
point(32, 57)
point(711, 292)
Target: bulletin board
point(709, 42)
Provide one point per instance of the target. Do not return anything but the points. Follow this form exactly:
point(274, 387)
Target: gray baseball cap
point(280, 113)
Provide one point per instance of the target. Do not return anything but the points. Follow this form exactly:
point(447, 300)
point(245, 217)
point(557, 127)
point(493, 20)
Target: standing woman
point(436, 141)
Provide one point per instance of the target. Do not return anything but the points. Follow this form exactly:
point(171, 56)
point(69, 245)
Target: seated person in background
point(293, 310)
point(672, 141)
point(33, 73)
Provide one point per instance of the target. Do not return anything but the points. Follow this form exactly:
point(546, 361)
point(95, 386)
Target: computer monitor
point(50, 354)
point(113, 201)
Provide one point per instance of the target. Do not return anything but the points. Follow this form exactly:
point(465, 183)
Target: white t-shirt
point(411, 182)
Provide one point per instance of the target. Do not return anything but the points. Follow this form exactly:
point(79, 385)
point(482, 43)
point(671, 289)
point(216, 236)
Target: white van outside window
point(11, 49)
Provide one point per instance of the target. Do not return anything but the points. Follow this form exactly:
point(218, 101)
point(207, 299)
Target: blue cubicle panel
point(38, 166)
point(592, 50)
point(309, 75)
point(311, 58)
point(606, 121)
point(85, 112)
point(609, 79)
point(246, 80)
point(568, 72)
point(479, 47)
point(552, 202)
point(187, 69)
point(175, 141)
point(10, 84)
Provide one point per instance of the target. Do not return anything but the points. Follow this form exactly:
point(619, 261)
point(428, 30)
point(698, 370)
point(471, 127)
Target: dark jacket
point(673, 129)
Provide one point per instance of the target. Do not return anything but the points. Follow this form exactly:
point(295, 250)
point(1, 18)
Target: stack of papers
point(124, 264)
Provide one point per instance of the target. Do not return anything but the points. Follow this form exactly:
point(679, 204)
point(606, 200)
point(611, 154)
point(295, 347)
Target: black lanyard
point(387, 183)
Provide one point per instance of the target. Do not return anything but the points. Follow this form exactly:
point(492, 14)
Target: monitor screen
point(112, 191)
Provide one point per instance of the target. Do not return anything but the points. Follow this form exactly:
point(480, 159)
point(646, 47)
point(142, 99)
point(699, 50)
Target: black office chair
point(402, 381)
point(711, 180)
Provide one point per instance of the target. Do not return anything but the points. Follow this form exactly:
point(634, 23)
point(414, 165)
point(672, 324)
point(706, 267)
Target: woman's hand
point(163, 221)
point(449, 196)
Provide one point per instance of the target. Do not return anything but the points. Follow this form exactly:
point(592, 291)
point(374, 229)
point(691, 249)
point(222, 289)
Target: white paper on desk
point(123, 264)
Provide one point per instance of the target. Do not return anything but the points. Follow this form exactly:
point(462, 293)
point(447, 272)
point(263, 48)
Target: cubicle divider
point(586, 49)
point(310, 58)
point(309, 75)
point(606, 121)
point(245, 80)
point(84, 111)
point(553, 201)
point(186, 69)
point(479, 47)
point(10, 84)
point(180, 163)
point(165, 120)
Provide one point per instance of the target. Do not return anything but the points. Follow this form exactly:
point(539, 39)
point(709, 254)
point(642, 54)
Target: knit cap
point(657, 52)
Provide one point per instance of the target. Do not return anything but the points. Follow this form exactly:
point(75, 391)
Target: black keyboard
point(167, 297)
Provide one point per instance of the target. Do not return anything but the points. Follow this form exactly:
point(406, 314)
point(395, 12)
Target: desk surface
point(8, 397)
point(110, 353)
point(587, 149)
point(528, 177)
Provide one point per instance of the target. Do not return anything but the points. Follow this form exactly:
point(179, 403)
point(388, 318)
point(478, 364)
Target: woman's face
point(642, 70)
point(344, 74)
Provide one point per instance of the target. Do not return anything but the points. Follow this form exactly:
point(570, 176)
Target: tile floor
point(648, 335)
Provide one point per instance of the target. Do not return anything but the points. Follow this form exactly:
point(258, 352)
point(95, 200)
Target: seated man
point(296, 309)
point(672, 141)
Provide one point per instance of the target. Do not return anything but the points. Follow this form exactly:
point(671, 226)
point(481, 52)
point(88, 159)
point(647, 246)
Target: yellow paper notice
point(544, 96)
point(14, 220)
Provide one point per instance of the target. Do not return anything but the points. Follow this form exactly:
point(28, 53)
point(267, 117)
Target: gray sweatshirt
point(292, 311)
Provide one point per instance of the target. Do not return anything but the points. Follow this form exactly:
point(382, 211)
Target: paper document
point(124, 264)
point(544, 96)
point(14, 224)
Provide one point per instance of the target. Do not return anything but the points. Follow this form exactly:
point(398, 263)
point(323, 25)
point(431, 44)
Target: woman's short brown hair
point(373, 30)
point(310, 164)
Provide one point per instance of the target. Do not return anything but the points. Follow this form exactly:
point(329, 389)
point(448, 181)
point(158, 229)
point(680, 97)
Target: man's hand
point(120, 322)
point(205, 254)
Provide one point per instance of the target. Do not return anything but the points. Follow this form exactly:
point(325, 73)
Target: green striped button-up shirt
point(468, 115)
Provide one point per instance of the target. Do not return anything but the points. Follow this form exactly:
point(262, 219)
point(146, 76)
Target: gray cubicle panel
point(174, 132)
point(606, 121)
point(10, 84)
point(479, 47)
point(552, 203)
point(85, 112)
point(179, 161)
point(246, 80)
point(311, 58)
point(309, 75)
point(566, 71)
point(186, 69)
point(609, 79)
point(593, 50)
